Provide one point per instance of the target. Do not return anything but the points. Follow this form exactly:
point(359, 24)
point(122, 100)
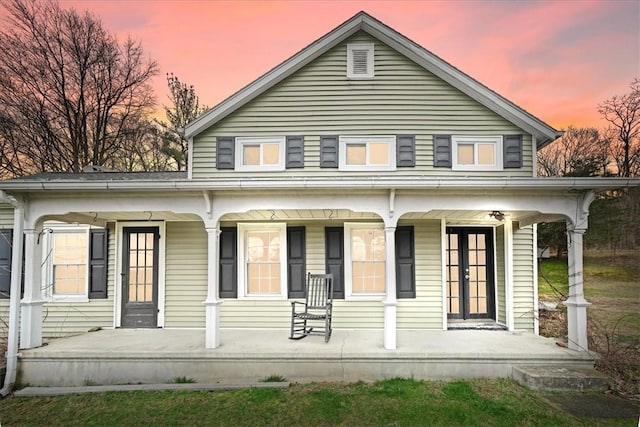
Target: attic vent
point(360, 61)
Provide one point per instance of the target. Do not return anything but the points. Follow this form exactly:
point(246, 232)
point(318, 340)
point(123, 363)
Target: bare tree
point(146, 151)
point(623, 114)
point(68, 89)
point(185, 107)
point(579, 152)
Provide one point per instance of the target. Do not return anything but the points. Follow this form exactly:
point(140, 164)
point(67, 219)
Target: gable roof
point(364, 22)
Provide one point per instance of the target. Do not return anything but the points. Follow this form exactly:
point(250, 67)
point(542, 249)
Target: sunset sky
point(556, 59)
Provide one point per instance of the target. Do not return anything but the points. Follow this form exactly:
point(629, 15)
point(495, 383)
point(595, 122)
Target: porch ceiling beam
point(81, 218)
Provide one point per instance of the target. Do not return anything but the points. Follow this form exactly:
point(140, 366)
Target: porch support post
point(32, 301)
point(508, 273)
point(576, 304)
point(390, 301)
point(212, 304)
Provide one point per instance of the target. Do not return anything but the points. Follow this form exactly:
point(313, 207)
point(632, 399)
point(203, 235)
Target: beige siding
point(185, 275)
point(319, 100)
point(6, 216)
point(500, 285)
point(425, 311)
point(73, 318)
point(523, 298)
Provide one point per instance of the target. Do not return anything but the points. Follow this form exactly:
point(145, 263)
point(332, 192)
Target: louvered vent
point(360, 61)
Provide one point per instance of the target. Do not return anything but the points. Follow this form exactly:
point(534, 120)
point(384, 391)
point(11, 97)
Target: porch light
point(498, 215)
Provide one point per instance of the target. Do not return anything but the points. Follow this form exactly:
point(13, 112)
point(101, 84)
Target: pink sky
point(556, 59)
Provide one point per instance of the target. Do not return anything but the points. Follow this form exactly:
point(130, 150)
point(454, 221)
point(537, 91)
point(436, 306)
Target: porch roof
point(163, 181)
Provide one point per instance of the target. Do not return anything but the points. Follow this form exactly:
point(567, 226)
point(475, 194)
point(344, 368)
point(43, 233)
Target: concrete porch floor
point(130, 356)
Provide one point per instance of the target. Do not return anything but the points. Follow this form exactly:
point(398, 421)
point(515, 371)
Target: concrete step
point(560, 378)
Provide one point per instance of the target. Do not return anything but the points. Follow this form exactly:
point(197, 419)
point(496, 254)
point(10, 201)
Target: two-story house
point(364, 155)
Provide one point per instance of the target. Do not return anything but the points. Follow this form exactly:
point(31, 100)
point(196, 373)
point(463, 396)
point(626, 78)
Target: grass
point(394, 402)
point(611, 284)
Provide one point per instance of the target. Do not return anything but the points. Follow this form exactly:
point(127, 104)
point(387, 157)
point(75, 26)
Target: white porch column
point(508, 273)
point(390, 301)
point(576, 304)
point(32, 301)
point(212, 304)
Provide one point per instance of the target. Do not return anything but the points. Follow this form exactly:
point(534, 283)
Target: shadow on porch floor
point(126, 356)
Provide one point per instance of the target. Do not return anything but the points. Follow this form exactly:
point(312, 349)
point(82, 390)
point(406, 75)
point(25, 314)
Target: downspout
point(14, 298)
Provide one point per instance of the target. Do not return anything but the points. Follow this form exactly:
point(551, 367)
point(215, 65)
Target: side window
point(74, 264)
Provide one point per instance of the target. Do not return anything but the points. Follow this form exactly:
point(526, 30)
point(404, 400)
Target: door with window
point(140, 277)
point(470, 273)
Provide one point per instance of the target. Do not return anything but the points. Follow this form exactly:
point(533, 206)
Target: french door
point(140, 277)
point(470, 273)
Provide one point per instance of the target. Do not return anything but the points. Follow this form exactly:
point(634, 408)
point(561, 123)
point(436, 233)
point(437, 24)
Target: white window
point(477, 153)
point(360, 61)
point(65, 262)
point(260, 153)
point(365, 260)
point(262, 261)
point(367, 153)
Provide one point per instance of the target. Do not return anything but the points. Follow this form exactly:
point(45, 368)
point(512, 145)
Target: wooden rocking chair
point(316, 310)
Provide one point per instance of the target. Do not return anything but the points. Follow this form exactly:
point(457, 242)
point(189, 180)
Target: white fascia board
point(378, 182)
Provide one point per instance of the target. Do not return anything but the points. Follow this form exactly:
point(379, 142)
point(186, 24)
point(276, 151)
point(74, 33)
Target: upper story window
point(372, 153)
point(262, 263)
point(260, 153)
point(472, 153)
point(360, 64)
point(365, 260)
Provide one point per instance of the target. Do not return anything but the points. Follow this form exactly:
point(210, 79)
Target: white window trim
point(348, 273)
point(370, 60)
point(458, 139)
point(259, 140)
point(345, 140)
point(47, 261)
point(242, 264)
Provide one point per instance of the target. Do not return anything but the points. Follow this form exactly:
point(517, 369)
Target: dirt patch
point(553, 323)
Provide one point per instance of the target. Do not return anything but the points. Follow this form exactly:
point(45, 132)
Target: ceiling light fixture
point(498, 215)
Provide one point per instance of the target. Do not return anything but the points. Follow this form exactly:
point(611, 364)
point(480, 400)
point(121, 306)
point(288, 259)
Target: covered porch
point(124, 356)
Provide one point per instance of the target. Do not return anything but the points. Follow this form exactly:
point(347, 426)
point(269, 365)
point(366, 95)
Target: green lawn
point(395, 402)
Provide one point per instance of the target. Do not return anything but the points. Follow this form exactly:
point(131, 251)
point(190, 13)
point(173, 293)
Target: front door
point(140, 277)
point(470, 273)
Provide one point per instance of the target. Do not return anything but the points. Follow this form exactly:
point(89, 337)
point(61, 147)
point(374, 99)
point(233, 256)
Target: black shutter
point(405, 150)
point(334, 254)
point(228, 277)
point(296, 262)
point(225, 148)
point(512, 151)
point(442, 151)
point(98, 250)
point(295, 152)
point(329, 154)
point(405, 263)
point(6, 243)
